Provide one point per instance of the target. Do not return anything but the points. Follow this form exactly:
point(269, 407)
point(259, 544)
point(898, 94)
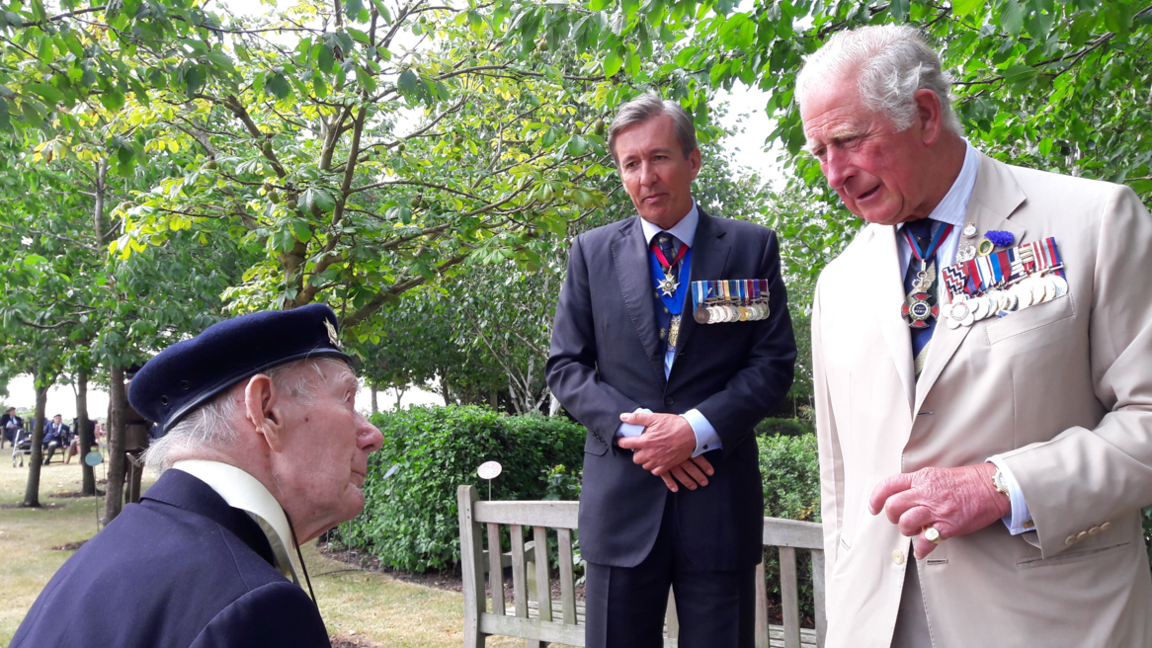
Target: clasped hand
point(665, 449)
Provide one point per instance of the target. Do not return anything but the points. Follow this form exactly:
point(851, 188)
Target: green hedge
point(790, 470)
point(410, 518)
point(771, 427)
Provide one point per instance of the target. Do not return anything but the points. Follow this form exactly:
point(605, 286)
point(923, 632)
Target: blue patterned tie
point(921, 231)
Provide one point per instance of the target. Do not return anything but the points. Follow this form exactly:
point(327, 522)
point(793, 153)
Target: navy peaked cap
point(190, 373)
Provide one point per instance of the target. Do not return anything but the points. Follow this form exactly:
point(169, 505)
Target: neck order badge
point(920, 305)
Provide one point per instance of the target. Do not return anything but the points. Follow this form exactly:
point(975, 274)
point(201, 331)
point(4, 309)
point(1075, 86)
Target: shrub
point(410, 517)
point(785, 427)
point(791, 475)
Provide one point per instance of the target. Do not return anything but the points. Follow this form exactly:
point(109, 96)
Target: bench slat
point(543, 582)
point(495, 569)
point(790, 533)
point(519, 586)
point(558, 515)
point(567, 580)
point(789, 593)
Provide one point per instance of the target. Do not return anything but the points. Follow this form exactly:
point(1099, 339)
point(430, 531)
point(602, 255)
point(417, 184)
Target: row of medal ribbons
point(730, 300)
point(1004, 282)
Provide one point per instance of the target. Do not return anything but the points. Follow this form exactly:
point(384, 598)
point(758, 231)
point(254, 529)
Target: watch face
point(998, 482)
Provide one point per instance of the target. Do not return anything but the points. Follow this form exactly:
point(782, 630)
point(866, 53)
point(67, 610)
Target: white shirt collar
point(243, 491)
point(953, 207)
point(685, 230)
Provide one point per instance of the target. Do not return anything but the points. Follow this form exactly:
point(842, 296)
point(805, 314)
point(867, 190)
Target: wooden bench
point(537, 618)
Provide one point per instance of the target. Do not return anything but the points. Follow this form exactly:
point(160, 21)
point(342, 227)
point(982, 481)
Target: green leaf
point(577, 146)
point(598, 5)
point(50, 93)
point(5, 119)
point(112, 99)
point(222, 60)
point(1012, 18)
point(326, 59)
point(612, 64)
point(193, 79)
point(353, 7)
point(278, 86)
point(301, 231)
point(408, 83)
point(323, 201)
point(962, 8)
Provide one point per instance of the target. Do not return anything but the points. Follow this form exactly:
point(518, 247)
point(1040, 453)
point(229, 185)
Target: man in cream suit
point(983, 385)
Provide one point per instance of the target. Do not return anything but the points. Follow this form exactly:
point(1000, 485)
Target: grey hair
point(890, 63)
point(213, 423)
point(649, 106)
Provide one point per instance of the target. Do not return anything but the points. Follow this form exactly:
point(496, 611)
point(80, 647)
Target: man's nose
point(368, 436)
point(648, 175)
point(836, 168)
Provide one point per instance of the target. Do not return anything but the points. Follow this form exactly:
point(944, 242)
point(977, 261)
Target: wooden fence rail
point(540, 620)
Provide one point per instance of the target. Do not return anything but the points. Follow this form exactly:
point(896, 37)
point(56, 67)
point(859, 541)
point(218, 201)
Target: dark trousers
point(625, 606)
point(51, 448)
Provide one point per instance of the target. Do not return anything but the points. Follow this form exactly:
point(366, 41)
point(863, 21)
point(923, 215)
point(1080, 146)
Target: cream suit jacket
point(1063, 388)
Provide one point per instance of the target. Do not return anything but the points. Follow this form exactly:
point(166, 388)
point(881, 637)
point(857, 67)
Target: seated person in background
point(74, 445)
point(56, 435)
point(10, 426)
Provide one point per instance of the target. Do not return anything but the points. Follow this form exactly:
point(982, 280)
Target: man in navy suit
point(672, 494)
point(263, 451)
point(55, 436)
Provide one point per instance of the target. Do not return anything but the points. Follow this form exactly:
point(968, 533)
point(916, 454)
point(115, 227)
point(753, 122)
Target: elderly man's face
point(876, 171)
point(57, 419)
point(656, 175)
point(325, 458)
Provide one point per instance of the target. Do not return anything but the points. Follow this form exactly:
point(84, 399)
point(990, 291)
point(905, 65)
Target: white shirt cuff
point(706, 438)
point(1019, 520)
point(631, 429)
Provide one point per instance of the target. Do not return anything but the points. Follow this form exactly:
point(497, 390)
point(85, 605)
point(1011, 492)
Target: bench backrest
point(559, 621)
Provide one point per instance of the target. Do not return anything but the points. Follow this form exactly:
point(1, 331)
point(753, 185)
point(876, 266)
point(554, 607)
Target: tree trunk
point(399, 395)
point(114, 489)
point(444, 389)
point(32, 490)
point(375, 406)
point(85, 432)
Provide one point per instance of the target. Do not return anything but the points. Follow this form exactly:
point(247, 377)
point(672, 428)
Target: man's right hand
point(693, 473)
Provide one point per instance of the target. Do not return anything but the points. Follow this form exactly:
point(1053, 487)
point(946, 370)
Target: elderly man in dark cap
point(263, 451)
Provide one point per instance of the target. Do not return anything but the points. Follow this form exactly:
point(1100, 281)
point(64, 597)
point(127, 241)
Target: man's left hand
point(667, 441)
point(956, 501)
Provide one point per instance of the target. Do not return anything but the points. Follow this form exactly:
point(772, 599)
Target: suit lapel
point(995, 197)
point(629, 255)
point(709, 261)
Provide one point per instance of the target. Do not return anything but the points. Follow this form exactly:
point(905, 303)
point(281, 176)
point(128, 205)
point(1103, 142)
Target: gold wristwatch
point(998, 483)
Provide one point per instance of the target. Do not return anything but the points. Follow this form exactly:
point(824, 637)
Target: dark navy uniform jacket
point(180, 569)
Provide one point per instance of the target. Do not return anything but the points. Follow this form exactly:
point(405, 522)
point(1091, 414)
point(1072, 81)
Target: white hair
point(890, 63)
point(212, 424)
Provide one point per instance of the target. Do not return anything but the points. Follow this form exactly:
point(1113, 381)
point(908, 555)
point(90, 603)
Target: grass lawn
point(376, 607)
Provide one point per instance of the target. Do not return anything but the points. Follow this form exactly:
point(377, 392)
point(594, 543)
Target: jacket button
point(1105, 526)
point(1070, 540)
point(1094, 530)
point(898, 557)
point(669, 400)
point(1080, 536)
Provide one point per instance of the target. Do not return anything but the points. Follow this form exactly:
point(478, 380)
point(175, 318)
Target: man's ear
point(261, 404)
point(929, 114)
point(694, 160)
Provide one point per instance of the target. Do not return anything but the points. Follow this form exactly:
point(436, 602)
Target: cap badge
point(332, 337)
